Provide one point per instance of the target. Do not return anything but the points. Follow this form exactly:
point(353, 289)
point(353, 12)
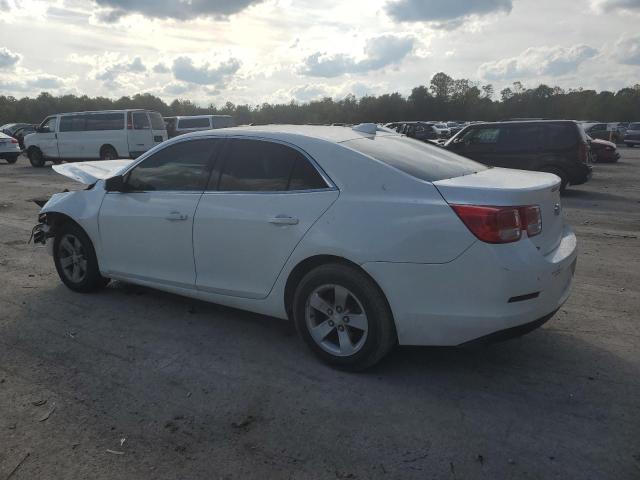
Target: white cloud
point(446, 14)
point(112, 72)
point(379, 52)
point(609, 6)
point(627, 50)
point(161, 68)
point(540, 61)
point(185, 70)
point(8, 59)
point(171, 9)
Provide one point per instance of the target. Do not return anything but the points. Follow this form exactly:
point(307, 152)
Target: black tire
point(381, 334)
point(36, 157)
point(12, 159)
point(107, 152)
point(564, 181)
point(89, 278)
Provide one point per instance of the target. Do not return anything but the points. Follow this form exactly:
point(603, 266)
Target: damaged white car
point(365, 238)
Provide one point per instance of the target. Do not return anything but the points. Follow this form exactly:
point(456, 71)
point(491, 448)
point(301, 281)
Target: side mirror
point(115, 184)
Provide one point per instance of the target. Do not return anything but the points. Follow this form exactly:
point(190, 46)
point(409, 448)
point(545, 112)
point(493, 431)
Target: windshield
point(421, 160)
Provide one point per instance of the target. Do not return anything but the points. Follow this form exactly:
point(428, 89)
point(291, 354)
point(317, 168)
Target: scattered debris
point(114, 452)
point(188, 394)
point(39, 403)
point(122, 440)
point(245, 423)
point(480, 459)
point(511, 461)
point(15, 469)
point(12, 426)
point(71, 334)
point(48, 414)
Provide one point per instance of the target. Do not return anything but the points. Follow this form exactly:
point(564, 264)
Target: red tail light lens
point(500, 224)
point(531, 220)
point(491, 224)
point(13, 140)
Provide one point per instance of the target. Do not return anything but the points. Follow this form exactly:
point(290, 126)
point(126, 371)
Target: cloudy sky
point(254, 51)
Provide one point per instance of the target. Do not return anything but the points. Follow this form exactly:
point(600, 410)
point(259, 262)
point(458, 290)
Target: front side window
point(184, 166)
point(524, 137)
point(140, 121)
point(261, 166)
point(49, 125)
point(484, 136)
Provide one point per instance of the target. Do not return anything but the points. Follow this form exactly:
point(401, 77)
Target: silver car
point(632, 137)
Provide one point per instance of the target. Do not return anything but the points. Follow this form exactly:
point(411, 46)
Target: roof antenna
point(368, 128)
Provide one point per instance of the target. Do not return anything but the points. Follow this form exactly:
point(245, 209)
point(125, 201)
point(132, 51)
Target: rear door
point(158, 128)
point(140, 135)
point(518, 147)
point(146, 231)
point(262, 199)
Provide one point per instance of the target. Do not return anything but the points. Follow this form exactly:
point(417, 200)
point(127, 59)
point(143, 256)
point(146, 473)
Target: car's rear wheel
point(343, 316)
point(76, 261)
point(35, 157)
point(12, 159)
point(108, 153)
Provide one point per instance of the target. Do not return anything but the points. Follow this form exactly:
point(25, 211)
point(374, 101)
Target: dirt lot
point(134, 384)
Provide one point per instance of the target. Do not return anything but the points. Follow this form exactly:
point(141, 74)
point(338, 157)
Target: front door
point(47, 137)
point(262, 199)
point(146, 230)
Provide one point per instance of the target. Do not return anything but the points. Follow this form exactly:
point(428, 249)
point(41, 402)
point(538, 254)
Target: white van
point(193, 123)
point(106, 135)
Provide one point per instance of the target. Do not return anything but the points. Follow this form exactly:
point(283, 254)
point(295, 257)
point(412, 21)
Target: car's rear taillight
point(531, 218)
point(491, 224)
point(500, 224)
point(13, 140)
point(583, 154)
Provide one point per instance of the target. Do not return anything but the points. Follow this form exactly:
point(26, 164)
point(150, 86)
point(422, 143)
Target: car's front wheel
point(76, 261)
point(36, 157)
point(343, 316)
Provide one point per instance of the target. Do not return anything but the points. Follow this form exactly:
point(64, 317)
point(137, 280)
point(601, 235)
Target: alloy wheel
point(336, 320)
point(72, 258)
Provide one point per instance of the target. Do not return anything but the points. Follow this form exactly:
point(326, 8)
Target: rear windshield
point(419, 159)
point(634, 126)
point(194, 123)
point(157, 123)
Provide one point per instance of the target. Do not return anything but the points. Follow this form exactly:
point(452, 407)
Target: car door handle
point(284, 220)
point(176, 217)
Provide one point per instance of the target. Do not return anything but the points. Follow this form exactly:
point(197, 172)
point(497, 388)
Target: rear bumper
point(469, 298)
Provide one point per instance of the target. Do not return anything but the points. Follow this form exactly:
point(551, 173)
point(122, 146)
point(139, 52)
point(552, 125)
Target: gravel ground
point(133, 383)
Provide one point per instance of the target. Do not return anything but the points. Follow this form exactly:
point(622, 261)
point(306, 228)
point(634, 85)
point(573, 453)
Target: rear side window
point(419, 159)
point(194, 123)
point(184, 166)
point(560, 136)
point(104, 121)
point(157, 123)
point(634, 126)
point(261, 166)
point(524, 137)
point(141, 121)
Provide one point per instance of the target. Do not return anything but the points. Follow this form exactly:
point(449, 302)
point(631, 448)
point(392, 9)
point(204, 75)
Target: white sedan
point(9, 148)
point(364, 237)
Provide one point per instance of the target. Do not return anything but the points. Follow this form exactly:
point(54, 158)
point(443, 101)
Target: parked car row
point(103, 135)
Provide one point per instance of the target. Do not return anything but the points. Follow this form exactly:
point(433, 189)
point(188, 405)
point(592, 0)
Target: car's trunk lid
point(90, 172)
point(507, 187)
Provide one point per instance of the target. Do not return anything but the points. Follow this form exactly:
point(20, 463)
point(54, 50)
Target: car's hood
point(91, 172)
point(605, 143)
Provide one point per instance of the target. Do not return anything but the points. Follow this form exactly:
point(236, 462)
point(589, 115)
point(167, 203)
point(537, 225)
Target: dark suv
point(554, 146)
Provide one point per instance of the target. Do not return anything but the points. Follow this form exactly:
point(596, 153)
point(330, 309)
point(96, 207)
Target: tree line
point(444, 98)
